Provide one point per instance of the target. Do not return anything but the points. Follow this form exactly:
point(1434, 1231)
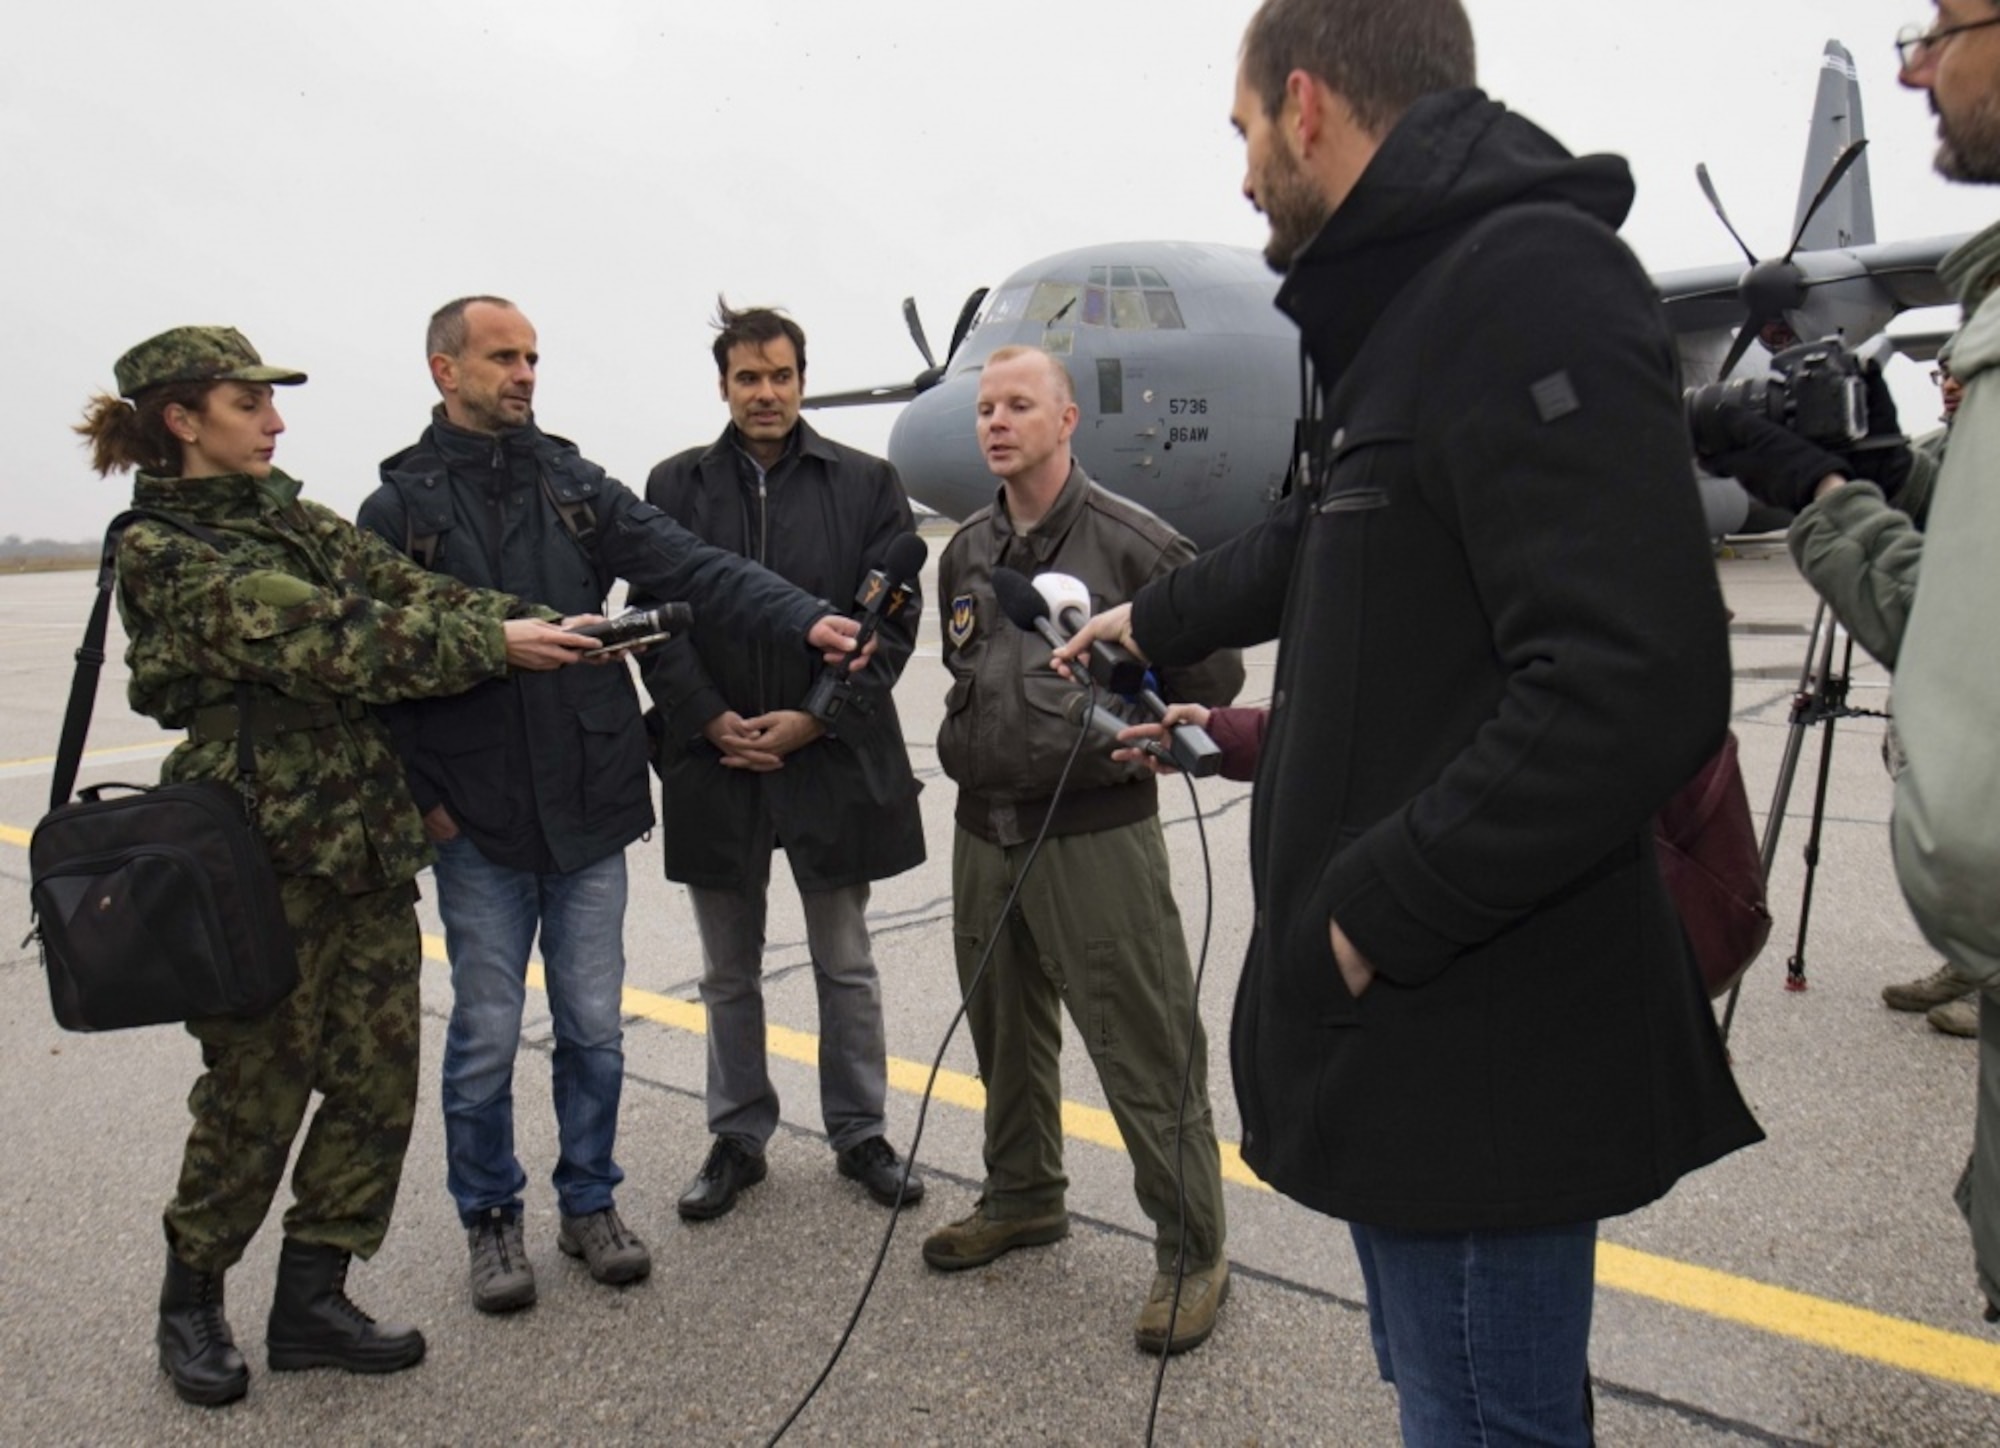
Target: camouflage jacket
point(305, 609)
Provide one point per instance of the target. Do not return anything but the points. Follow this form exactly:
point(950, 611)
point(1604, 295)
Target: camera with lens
point(1815, 389)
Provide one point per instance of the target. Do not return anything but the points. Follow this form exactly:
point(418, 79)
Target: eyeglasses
point(1940, 375)
point(1915, 44)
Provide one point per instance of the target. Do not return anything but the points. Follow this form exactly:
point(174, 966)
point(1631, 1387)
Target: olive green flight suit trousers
point(350, 1031)
point(1095, 928)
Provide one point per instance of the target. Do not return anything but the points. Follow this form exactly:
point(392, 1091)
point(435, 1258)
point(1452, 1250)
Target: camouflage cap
point(196, 354)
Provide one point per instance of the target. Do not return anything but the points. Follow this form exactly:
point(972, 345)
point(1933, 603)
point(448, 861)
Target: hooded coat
point(1502, 648)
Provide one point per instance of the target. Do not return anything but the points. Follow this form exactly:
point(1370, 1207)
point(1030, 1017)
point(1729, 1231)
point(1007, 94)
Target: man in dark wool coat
point(1468, 1024)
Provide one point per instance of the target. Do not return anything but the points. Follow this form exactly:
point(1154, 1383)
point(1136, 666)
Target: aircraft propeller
point(925, 380)
point(1770, 289)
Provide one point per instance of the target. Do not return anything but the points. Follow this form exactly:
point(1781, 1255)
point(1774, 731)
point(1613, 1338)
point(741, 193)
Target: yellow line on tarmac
point(11, 836)
point(1853, 1331)
point(1969, 1361)
point(954, 1088)
point(1797, 1316)
point(91, 756)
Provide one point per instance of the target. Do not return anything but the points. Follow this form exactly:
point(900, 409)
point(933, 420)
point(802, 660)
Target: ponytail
point(124, 435)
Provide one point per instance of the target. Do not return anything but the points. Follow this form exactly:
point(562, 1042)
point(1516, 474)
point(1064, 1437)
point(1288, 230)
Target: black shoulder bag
point(157, 903)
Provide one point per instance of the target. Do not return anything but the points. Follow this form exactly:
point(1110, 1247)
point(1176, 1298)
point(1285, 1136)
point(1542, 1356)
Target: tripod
point(1820, 699)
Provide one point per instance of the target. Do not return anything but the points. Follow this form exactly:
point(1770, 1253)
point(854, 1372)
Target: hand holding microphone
point(1149, 743)
point(1028, 605)
point(886, 590)
point(1189, 746)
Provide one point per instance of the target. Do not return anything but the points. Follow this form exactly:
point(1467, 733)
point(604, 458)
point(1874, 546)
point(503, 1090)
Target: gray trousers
point(1095, 929)
point(853, 1067)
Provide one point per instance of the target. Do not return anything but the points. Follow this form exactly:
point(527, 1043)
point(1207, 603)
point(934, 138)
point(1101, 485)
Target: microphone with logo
point(635, 628)
point(1189, 746)
point(886, 590)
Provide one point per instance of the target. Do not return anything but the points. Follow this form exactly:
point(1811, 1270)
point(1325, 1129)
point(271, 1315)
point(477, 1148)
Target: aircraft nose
point(935, 448)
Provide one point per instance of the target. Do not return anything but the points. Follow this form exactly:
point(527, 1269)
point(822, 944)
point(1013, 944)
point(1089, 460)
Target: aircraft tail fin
point(1848, 216)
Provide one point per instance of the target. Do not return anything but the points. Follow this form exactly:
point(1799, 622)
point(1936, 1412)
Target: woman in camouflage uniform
point(319, 621)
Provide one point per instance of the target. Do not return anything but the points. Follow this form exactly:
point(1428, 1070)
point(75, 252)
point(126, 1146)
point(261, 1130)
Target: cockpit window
point(1053, 300)
point(1164, 311)
point(1126, 298)
point(1128, 309)
point(1005, 306)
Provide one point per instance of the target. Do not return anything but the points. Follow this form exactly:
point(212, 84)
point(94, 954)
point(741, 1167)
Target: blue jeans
point(491, 915)
point(1486, 1335)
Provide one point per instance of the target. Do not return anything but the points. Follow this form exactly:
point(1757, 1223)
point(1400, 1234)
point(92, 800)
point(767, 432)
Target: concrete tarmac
point(1815, 1289)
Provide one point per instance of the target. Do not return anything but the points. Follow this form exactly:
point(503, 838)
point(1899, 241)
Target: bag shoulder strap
point(90, 661)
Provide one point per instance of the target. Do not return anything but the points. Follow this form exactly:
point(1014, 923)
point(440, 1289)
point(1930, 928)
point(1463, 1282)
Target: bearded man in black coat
point(1468, 1023)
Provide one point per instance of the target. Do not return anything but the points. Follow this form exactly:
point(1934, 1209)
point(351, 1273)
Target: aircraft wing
point(1703, 298)
point(1907, 270)
point(1897, 274)
point(1919, 346)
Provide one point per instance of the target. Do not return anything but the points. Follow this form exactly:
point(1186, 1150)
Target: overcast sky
point(323, 176)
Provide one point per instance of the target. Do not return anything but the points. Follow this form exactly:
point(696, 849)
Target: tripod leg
point(1806, 711)
point(1833, 705)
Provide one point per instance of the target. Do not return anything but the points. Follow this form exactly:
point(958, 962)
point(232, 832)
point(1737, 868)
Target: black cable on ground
point(930, 1084)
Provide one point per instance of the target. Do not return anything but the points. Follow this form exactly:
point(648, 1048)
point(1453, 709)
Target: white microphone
point(1069, 604)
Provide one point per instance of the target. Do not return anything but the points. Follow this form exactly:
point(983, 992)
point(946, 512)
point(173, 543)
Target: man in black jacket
point(744, 768)
point(1468, 1024)
point(531, 788)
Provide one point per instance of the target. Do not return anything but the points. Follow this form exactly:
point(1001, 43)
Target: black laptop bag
point(153, 903)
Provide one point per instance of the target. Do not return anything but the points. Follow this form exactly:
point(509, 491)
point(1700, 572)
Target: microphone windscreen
point(1018, 599)
point(1063, 591)
point(905, 558)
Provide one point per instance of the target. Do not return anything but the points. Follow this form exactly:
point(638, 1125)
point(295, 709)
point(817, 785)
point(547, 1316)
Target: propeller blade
point(1842, 164)
point(1744, 337)
point(1715, 201)
point(966, 315)
point(864, 396)
point(917, 330)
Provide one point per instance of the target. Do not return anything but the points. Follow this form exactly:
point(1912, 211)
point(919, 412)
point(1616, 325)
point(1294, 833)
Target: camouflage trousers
point(350, 1032)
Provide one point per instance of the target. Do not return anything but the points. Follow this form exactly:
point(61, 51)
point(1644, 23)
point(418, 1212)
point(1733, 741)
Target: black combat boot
point(196, 1348)
point(313, 1325)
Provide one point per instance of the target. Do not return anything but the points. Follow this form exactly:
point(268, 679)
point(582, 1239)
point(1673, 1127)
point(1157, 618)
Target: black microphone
point(1080, 711)
point(1026, 609)
point(638, 626)
point(1189, 745)
point(885, 590)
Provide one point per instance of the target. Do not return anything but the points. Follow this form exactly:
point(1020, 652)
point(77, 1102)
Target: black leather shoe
point(876, 1166)
point(197, 1350)
point(731, 1166)
point(314, 1325)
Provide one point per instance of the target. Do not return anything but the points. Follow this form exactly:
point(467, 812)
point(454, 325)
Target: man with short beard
point(1926, 603)
point(1468, 1024)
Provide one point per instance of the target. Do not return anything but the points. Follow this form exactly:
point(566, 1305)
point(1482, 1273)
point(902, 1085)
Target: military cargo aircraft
point(1187, 376)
